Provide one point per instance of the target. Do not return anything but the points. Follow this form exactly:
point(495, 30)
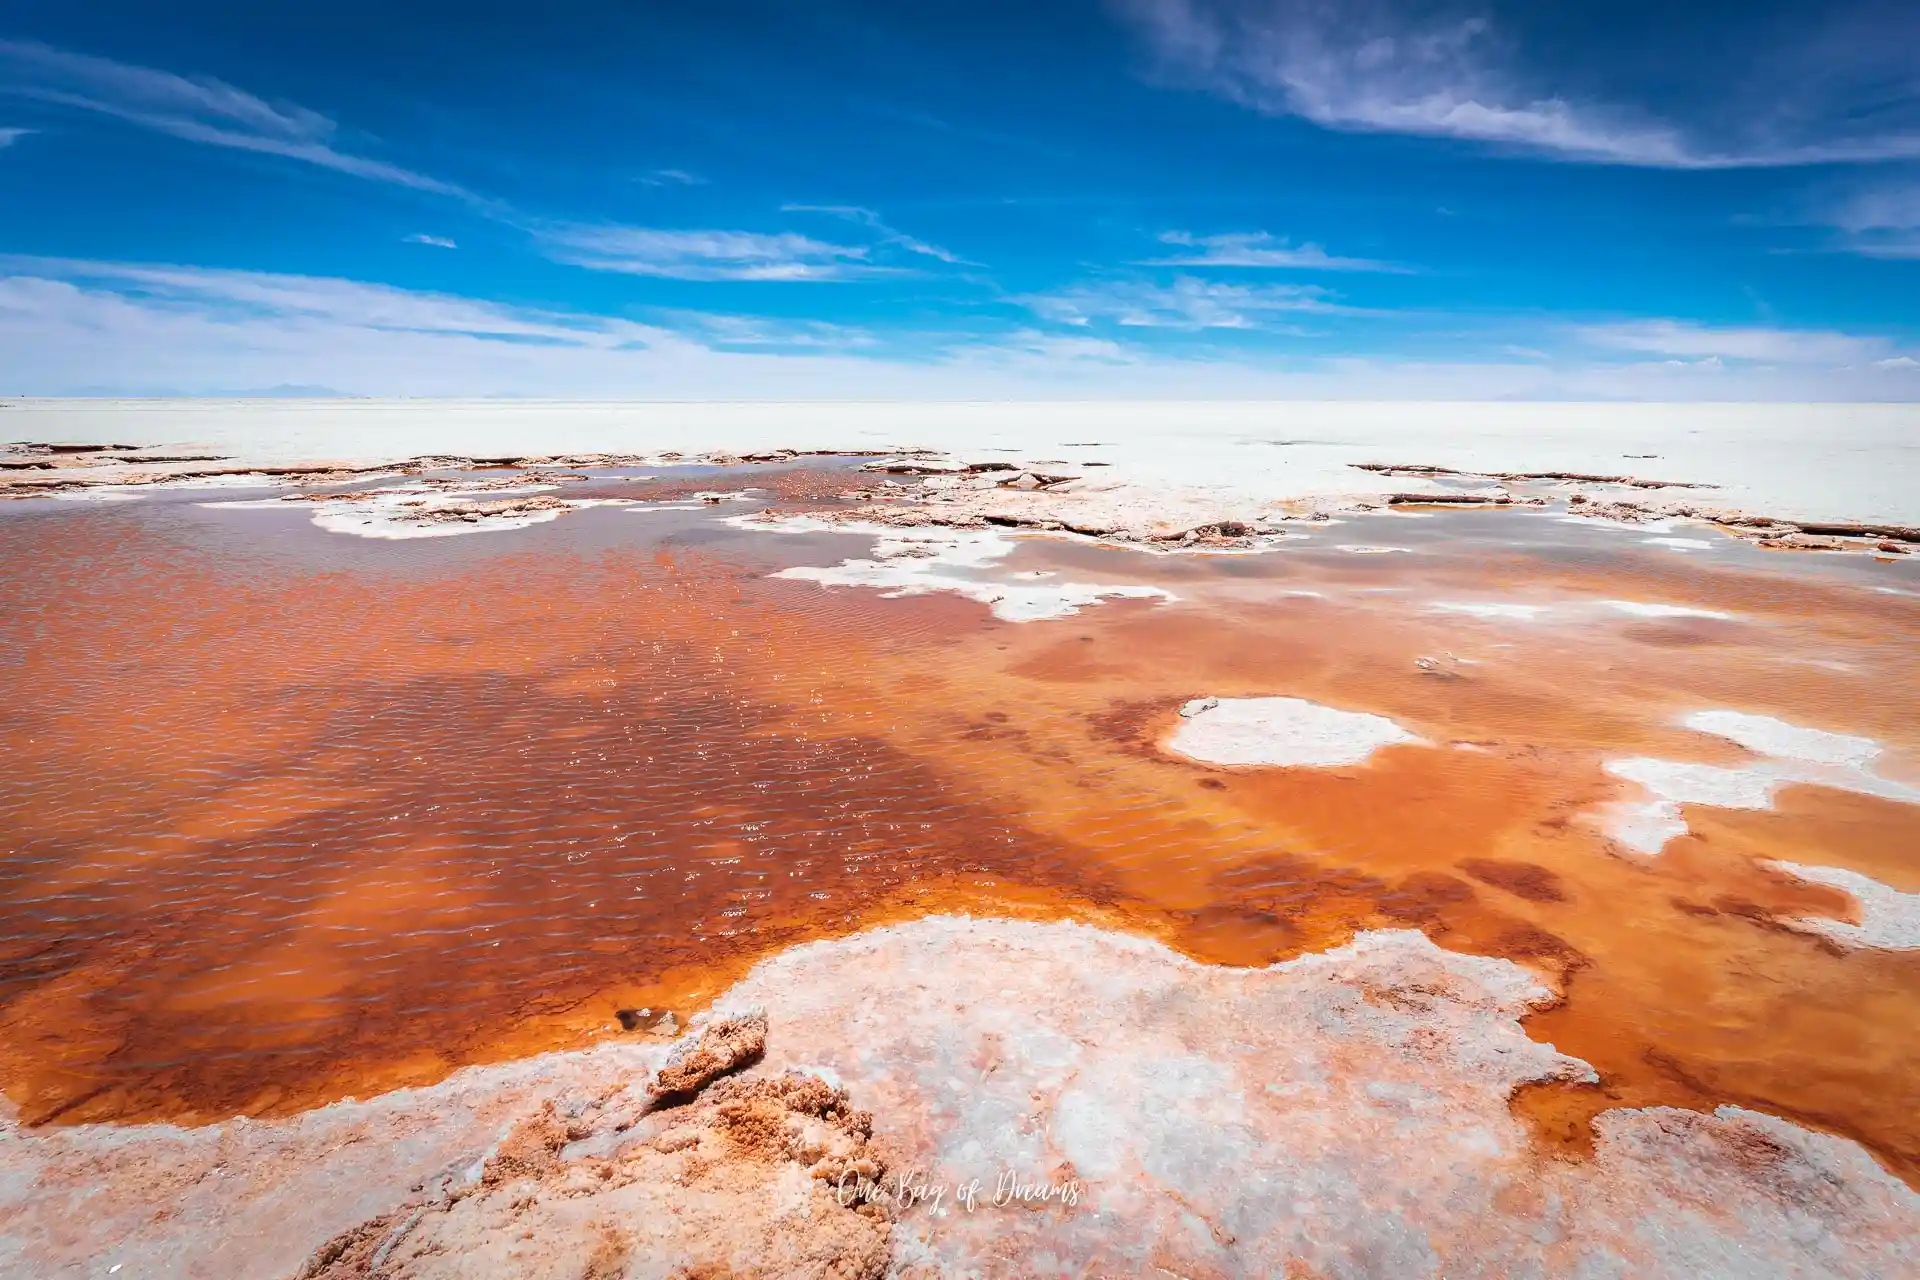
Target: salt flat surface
point(1819, 461)
point(1282, 732)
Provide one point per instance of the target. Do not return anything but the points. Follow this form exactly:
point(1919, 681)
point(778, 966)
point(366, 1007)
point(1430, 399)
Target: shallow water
point(291, 815)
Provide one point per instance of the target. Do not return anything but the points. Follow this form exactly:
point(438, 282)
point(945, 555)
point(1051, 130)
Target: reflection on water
point(290, 816)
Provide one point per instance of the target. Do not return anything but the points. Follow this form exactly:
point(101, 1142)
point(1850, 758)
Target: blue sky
point(1183, 198)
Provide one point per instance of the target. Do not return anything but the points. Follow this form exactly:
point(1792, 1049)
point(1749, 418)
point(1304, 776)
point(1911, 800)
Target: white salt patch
point(1629, 526)
point(1286, 732)
point(1642, 610)
point(1646, 825)
point(1680, 544)
point(128, 492)
point(406, 512)
point(1789, 754)
point(1889, 919)
point(1010, 602)
point(96, 493)
point(1371, 551)
point(1476, 609)
point(913, 561)
point(754, 522)
point(392, 522)
point(1764, 735)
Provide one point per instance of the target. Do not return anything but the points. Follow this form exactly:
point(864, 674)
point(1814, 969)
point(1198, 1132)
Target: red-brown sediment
point(283, 835)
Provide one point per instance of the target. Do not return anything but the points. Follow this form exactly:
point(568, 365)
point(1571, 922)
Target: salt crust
point(1344, 1112)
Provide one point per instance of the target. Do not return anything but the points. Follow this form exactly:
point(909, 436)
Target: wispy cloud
point(672, 178)
point(193, 108)
point(1188, 303)
point(76, 326)
point(745, 255)
point(1383, 67)
point(10, 136)
point(1257, 249)
point(438, 242)
point(1880, 222)
point(710, 255)
point(1682, 340)
point(764, 333)
point(242, 296)
point(888, 236)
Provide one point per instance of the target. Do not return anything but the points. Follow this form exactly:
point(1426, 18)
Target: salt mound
point(1288, 732)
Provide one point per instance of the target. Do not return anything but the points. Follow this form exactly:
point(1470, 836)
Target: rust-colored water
point(290, 816)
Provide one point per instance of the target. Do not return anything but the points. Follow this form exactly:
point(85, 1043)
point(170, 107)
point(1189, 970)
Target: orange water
point(290, 816)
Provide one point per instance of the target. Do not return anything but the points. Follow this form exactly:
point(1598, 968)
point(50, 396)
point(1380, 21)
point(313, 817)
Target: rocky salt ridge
point(1047, 495)
point(956, 1096)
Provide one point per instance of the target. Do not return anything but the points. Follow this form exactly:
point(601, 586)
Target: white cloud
point(673, 178)
point(1682, 340)
point(1369, 67)
point(1189, 303)
point(1256, 249)
point(868, 218)
point(10, 136)
point(710, 255)
point(194, 108)
point(438, 242)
